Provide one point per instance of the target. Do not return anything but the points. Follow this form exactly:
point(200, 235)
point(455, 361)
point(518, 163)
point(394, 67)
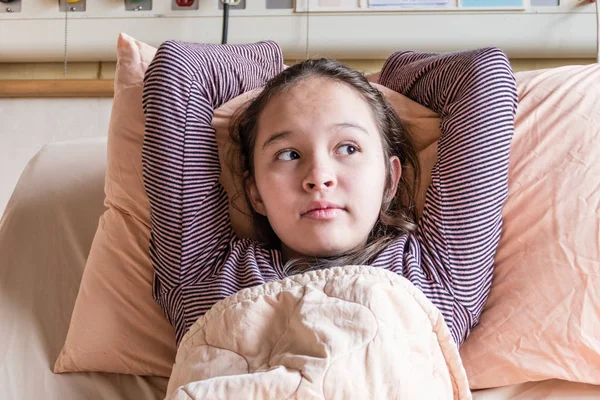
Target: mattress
point(45, 235)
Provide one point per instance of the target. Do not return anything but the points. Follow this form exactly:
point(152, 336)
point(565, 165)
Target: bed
point(45, 236)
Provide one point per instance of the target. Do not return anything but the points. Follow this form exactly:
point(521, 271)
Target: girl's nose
point(316, 186)
point(320, 177)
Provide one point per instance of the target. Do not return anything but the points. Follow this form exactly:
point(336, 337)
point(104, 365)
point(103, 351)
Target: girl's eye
point(288, 155)
point(347, 149)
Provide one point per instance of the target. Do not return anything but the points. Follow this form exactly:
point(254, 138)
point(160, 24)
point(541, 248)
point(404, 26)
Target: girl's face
point(319, 169)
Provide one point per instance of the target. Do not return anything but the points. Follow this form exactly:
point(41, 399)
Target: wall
point(28, 124)
point(37, 34)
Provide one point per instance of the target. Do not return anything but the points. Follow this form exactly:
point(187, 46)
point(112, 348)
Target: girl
point(327, 172)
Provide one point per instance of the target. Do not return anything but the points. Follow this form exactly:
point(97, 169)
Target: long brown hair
point(398, 213)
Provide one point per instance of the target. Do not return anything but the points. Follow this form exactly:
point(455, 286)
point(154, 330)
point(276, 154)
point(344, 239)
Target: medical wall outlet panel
point(184, 5)
point(71, 5)
point(40, 31)
point(10, 6)
point(138, 5)
point(233, 4)
point(279, 4)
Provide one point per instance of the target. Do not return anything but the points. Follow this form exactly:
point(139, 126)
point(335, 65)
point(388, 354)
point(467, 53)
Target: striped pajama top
point(197, 258)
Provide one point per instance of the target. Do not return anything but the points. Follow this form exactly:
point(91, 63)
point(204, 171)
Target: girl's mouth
point(323, 213)
point(322, 210)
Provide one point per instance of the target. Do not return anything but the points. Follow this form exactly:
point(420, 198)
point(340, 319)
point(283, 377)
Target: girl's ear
point(395, 174)
point(254, 195)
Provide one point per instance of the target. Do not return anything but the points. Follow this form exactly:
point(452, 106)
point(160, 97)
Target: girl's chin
point(320, 251)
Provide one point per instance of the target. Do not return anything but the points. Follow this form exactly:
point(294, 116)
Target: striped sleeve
point(474, 92)
point(190, 227)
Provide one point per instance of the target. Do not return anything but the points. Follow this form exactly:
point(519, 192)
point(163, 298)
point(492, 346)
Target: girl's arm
point(191, 230)
point(474, 92)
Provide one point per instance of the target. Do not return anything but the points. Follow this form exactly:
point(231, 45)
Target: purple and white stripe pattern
point(197, 258)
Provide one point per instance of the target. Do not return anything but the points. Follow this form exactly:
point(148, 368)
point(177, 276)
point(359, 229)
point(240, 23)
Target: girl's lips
point(323, 213)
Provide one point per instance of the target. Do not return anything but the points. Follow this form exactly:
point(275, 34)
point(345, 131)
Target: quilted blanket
point(354, 332)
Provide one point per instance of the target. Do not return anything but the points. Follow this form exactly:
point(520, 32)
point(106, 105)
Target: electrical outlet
point(71, 5)
point(184, 5)
point(10, 6)
point(138, 5)
point(234, 4)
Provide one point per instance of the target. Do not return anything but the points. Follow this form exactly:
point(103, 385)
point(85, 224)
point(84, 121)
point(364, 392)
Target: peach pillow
point(542, 319)
point(116, 325)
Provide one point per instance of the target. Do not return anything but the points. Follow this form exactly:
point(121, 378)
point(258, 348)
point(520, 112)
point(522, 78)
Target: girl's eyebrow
point(351, 125)
point(275, 138)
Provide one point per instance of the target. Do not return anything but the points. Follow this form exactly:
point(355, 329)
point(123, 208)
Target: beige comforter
point(341, 333)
